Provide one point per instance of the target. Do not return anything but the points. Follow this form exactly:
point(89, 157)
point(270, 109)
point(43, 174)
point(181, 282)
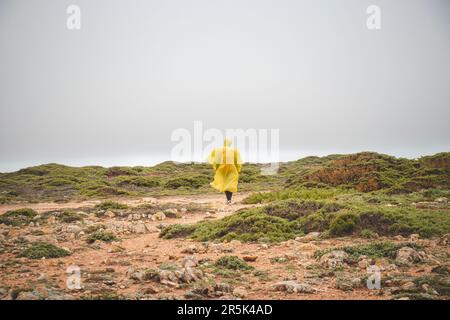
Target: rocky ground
point(119, 255)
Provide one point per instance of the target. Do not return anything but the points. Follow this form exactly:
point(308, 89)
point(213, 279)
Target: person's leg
point(228, 194)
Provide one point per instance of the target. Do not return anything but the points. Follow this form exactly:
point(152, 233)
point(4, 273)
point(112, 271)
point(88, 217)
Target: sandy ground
point(106, 268)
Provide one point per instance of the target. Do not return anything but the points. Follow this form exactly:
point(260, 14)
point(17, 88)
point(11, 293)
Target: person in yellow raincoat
point(227, 164)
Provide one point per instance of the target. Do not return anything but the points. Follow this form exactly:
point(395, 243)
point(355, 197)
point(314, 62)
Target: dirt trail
point(213, 200)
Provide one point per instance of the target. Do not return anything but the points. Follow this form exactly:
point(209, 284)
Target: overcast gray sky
point(113, 92)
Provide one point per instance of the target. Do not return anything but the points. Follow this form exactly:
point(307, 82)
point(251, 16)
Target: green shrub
point(368, 234)
point(344, 223)
point(40, 250)
point(190, 182)
point(296, 193)
point(176, 231)
point(101, 236)
point(232, 263)
point(18, 217)
point(293, 209)
point(138, 182)
point(69, 217)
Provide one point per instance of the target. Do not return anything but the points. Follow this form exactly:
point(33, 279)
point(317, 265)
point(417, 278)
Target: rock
point(158, 216)
point(344, 284)
point(72, 228)
point(172, 213)
point(110, 214)
point(4, 231)
point(183, 210)
point(414, 237)
point(235, 243)
point(190, 274)
point(44, 294)
point(240, 292)
point(444, 240)
point(29, 295)
point(151, 228)
point(408, 286)
point(427, 289)
point(137, 227)
point(356, 282)
point(136, 275)
point(250, 258)
point(407, 256)
point(149, 290)
point(3, 292)
point(168, 275)
point(363, 262)
point(334, 259)
point(441, 200)
point(399, 238)
point(190, 262)
point(137, 216)
point(309, 237)
point(307, 247)
point(51, 220)
point(191, 249)
point(223, 287)
point(293, 287)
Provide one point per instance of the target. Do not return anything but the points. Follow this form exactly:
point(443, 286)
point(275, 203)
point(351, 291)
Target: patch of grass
point(438, 282)
point(232, 263)
point(100, 235)
point(343, 223)
point(168, 266)
point(93, 228)
point(368, 234)
point(138, 181)
point(18, 217)
point(69, 217)
point(302, 193)
point(40, 250)
point(443, 270)
point(188, 181)
point(176, 231)
point(373, 250)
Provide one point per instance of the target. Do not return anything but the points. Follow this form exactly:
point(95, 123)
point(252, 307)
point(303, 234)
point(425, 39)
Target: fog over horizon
point(113, 92)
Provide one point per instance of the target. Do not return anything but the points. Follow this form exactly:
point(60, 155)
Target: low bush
point(101, 235)
point(232, 263)
point(18, 217)
point(41, 250)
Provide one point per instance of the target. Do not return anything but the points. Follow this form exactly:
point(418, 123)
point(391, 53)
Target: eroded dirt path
point(213, 200)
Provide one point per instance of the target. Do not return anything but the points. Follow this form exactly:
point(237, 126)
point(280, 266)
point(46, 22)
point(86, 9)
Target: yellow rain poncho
point(227, 164)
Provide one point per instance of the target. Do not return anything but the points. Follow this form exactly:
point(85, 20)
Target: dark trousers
point(229, 195)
